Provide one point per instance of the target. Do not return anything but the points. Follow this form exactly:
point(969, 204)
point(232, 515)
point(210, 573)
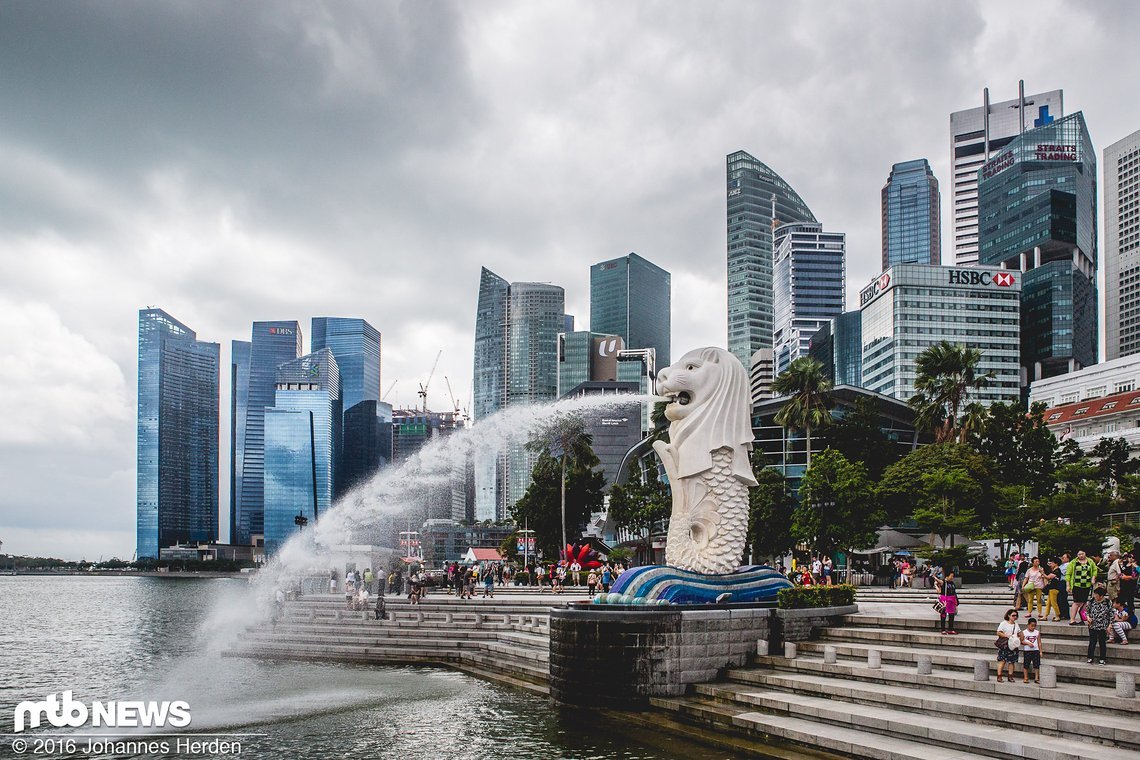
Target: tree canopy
point(837, 507)
point(946, 373)
point(906, 484)
point(540, 507)
point(808, 404)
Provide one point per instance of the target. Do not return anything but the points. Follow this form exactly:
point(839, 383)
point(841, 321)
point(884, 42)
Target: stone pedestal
point(762, 647)
point(982, 670)
point(620, 656)
point(830, 655)
point(874, 659)
point(925, 665)
point(1126, 685)
point(1048, 677)
point(789, 650)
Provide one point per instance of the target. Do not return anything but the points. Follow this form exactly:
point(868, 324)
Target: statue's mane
point(722, 420)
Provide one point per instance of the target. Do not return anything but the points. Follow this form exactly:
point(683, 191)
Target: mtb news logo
point(66, 712)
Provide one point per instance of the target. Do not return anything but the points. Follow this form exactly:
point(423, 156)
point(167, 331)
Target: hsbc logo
point(875, 288)
point(979, 277)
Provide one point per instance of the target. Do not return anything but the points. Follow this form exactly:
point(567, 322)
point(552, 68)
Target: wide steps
point(1066, 671)
point(979, 643)
point(1072, 695)
point(933, 725)
point(841, 739)
point(1055, 719)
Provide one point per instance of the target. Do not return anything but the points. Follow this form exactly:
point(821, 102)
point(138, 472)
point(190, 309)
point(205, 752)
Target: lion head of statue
point(709, 408)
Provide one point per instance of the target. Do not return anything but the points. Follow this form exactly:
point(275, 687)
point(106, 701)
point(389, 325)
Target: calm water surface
point(109, 638)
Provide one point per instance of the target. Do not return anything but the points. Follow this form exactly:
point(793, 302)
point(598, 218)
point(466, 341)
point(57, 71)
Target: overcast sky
point(278, 160)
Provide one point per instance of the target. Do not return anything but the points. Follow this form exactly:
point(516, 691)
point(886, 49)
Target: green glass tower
point(630, 297)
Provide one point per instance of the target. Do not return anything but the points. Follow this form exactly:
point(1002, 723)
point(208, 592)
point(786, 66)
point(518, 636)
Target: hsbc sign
point(978, 277)
point(875, 288)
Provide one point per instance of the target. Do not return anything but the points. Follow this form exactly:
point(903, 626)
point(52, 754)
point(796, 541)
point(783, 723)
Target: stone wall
point(800, 625)
point(622, 656)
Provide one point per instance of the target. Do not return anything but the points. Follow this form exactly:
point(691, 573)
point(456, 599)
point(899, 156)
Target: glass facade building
point(516, 362)
point(838, 346)
point(585, 356)
point(809, 282)
point(976, 136)
point(356, 346)
point(1037, 201)
point(239, 403)
point(756, 198)
point(302, 444)
point(911, 307)
point(178, 429)
point(272, 344)
point(1122, 247)
point(912, 215)
point(631, 297)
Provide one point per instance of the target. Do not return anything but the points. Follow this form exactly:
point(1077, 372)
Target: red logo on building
point(884, 281)
point(1003, 279)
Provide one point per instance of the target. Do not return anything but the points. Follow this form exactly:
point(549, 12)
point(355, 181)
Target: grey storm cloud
point(239, 161)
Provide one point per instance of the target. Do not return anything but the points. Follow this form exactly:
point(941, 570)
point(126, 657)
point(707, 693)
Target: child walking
point(1031, 651)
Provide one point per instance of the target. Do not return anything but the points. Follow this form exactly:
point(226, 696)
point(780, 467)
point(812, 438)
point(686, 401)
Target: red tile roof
point(487, 555)
point(1094, 407)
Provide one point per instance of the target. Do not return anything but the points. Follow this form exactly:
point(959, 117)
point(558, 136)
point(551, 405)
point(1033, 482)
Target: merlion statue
point(706, 459)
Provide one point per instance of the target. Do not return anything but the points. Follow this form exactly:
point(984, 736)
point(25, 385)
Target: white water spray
point(394, 490)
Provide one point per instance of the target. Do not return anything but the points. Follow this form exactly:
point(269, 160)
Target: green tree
point(945, 496)
point(858, 436)
point(770, 507)
point(639, 503)
point(1113, 461)
point(1069, 452)
point(1015, 517)
point(1020, 449)
point(946, 373)
point(509, 548)
point(540, 507)
point(837, 508)
point(903, 487)
point(564, 436)
point(807, 389)
point(620, 554)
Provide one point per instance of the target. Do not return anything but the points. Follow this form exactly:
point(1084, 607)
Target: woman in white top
point(1008, 640)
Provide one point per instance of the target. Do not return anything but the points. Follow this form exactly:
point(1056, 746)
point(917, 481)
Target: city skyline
point(177, 197)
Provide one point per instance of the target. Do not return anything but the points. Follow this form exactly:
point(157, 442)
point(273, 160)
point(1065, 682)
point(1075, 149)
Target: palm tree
point(807, 389)
point(946, 374)
point(974, 418)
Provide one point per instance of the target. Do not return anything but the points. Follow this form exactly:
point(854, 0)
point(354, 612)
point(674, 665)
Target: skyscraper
point(753, 191)
point(178, 404)
point(516, 362)
point(302, 444)
point(1037, 203)
point(630, 297)
point(910, 307)
point(273, 344)
point(976, 135)
point(356, 345)
point(1122, 247)
point(809, 279)
point(239, 403)
point(585, 356)
point(912, 215)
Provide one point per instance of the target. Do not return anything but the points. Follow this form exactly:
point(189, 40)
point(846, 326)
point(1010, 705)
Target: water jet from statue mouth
point(683, 398)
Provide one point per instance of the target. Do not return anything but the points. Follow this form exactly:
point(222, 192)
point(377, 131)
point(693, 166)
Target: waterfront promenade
point(830, 696)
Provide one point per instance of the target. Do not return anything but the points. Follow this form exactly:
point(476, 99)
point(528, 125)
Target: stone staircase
point(988, 594)
point(506, 641)
point(894, 712)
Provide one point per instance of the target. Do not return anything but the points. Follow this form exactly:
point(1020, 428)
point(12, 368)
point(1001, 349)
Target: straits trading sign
point(997, 164)
point(1045, 152)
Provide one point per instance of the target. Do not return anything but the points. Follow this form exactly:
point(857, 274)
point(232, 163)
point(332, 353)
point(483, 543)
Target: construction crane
point(451, 394)
point(423, 391)
point(390, 387)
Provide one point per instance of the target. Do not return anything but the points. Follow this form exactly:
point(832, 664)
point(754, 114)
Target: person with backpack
point(948, 601)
